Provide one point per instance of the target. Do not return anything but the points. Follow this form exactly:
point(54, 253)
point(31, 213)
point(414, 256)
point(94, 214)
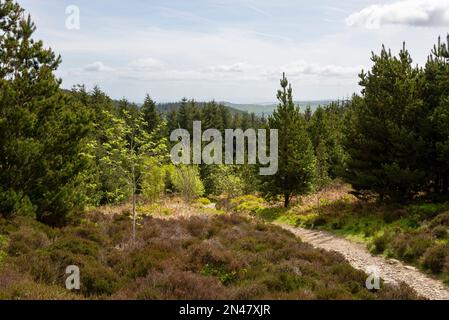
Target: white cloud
point(230, 68)
point(146, 64)
point(97, 67)
point(429, 13)
point(302, 69)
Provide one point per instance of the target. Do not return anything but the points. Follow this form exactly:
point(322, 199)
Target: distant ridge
point(258, 109)
point(268, 108)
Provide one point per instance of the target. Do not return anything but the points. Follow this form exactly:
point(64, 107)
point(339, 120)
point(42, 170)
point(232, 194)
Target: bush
point(435, 258)
point(97, 279)
point(381, 243)
point(390, 216)
point(441, 220)
point(248, 203)
point(18, 286)
point(25, 240)
point(425, 211)
point(186, 180)
point(153, 184)
point(440, 232)
point(75, 245)
point(15, 204)
point(410, 246)
point(203, 201)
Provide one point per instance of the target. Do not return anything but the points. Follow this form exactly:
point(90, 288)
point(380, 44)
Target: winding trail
point(391, 270)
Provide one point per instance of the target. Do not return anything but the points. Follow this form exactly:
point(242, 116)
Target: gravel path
point(390, 270)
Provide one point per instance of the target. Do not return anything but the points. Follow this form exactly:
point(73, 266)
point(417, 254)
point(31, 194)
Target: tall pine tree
point(44, 156)
point(296, 170)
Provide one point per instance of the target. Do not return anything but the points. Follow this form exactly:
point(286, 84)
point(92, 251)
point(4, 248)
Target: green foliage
point(132, 152)
point(326, 129)
point(153, 185)
point(425, 211)
point(383, 141)
point(296, 170)
point(14, 204)
point(203, 201)
point(151, 116)
point(224, 180)
point(45, 135)
point(248, 203)
point(187, 182)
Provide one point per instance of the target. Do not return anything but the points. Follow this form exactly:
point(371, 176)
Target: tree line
point(61, 151)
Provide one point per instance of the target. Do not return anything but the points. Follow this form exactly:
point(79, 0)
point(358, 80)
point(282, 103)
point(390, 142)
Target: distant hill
point(169, 106)
point(258, 109)
point(268, 108)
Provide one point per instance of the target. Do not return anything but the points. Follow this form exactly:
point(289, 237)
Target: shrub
point(440, 232)
point(410, 246)
point(97, 279)
point(380, 243)
point(425, 211)
point(203, 201)
point(442, 219)
point(75, 245)
point(15, 204)
point(398, 292)
point(187, 182)
point(153, 184)
point(390, 216)
point(25, 240)
point(177, 284)
point(89, 231)
point(435, 258)
point(18, 286)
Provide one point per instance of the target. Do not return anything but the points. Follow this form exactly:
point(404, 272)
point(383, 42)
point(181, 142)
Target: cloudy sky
point(231, 50)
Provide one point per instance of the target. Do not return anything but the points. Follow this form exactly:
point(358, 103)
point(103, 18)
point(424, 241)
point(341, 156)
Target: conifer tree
point(44, 144)
point(296, 171)
point(150, 114)
point(383, 140)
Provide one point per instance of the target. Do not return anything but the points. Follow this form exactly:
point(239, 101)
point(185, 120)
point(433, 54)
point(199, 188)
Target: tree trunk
point(286, 200)
point(134, 215)
point(134, 206)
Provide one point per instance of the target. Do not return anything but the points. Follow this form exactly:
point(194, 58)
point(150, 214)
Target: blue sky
point(231, 50)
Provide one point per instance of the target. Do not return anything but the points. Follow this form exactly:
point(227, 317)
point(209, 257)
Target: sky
point(230, 50)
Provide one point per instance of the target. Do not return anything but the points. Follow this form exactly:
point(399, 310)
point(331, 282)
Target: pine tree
point(296, 171)
point(150, 114)
point(44, 140)
point(436, 129)
point(384, 142)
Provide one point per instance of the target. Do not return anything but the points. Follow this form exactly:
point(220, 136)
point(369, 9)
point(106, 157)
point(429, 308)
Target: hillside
point(167, 107)
point(268, 108)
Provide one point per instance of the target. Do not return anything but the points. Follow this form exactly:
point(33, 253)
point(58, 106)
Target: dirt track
point(392, 271)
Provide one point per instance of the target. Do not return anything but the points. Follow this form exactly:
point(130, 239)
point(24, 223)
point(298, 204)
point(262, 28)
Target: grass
point(417, 234)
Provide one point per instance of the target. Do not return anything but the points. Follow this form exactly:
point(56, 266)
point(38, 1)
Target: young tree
point(296, 171)
point(186, 180)
point(132, 151)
